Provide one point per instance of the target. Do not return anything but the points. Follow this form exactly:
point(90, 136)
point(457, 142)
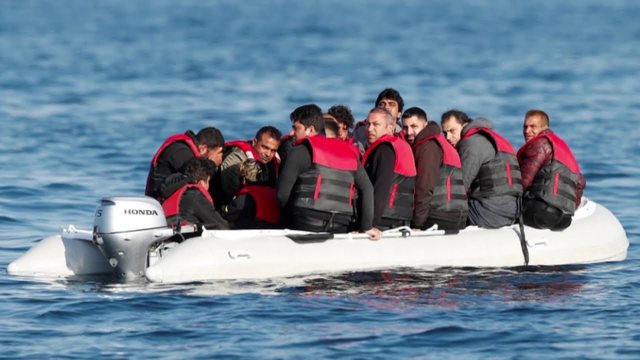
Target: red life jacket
point(154, 162)
point(267, 208)
point(329, 184)
point(171, 206)
point(247, 148)
point(556, 182)
point(354, 147)
point(400, 204)
point(499, 176)
point(449, 195)
point(178, 137)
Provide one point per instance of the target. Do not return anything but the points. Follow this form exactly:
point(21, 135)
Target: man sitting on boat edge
point(551, 177)
point(490, 170)
point(320, 178)
point(440, 196)
point(390, 165)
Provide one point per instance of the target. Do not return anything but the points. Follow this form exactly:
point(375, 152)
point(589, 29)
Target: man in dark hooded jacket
point(449, 209)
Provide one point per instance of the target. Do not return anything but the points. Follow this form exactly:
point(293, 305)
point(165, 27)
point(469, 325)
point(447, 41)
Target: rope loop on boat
point(405, 231)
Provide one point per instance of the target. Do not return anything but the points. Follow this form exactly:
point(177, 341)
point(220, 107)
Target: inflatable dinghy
point(131, 240)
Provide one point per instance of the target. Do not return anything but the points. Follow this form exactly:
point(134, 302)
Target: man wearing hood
point(490, 171)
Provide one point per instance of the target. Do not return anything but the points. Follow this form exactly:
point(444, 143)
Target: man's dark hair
point(309, 115)
point(342, 114)
point(414, 111)
point(271, 131)
point(461, 116)
point(198, 169)
point(211, 137)
point(391, 94)
point(330, 126)
point(536, 112)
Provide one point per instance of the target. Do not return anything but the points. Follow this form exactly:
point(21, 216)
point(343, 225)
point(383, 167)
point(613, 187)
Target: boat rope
point(523, 240)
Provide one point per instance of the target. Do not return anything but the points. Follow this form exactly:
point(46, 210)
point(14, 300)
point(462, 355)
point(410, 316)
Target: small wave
point(443, 330)
point(336, 341)
point(59, 186)
point(11, 191)
point(58, 314)
point(449, 336)
point(5, 220)
point(70, 99)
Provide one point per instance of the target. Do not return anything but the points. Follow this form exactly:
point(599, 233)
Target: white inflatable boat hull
point(71, 253)
point(595, 235)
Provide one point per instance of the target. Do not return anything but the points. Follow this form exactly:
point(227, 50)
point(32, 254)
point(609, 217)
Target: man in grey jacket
point(490, 172)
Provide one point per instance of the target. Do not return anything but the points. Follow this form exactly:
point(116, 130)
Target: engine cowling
point(125, 227)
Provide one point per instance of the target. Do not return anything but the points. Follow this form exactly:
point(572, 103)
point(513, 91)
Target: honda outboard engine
point(125, 228)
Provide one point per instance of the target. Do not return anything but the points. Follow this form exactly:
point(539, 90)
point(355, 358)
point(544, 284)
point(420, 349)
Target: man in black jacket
point(317, 194)
point(176, 151)
point(390, 166)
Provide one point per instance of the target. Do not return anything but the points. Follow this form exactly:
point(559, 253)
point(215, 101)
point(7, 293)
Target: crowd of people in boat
point(394, 168)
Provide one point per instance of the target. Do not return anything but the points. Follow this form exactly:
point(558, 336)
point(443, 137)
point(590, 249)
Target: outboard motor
point(125, 228)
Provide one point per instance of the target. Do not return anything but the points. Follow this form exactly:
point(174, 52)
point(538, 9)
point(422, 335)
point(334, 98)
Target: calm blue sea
point(89, 89)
